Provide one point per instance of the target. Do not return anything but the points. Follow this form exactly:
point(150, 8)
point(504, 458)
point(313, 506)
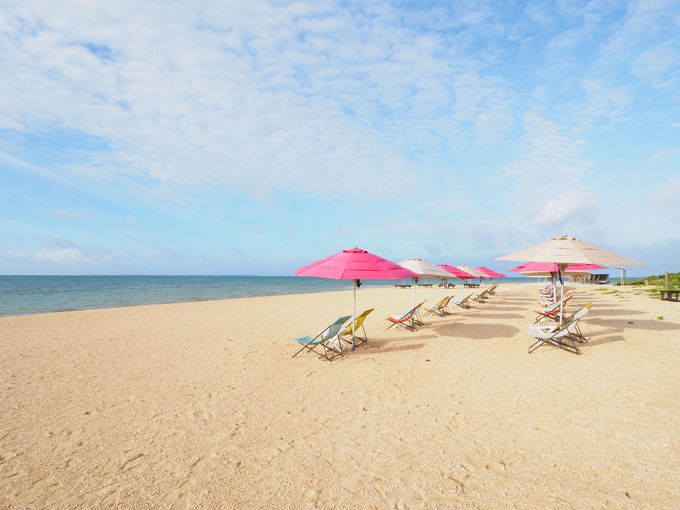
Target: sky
point(255, 137)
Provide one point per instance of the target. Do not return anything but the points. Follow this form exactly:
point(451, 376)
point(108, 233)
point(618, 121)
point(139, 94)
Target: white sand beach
point(200, 405)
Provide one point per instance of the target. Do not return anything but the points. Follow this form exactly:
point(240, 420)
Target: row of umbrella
point(357, 264)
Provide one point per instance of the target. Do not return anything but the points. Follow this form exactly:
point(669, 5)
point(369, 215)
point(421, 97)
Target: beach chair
point(480, 296)
point(358, 325)
point(408, 320)
point(549, 299)
point(441, 308)
point(562, 335)
point(551, 311)
point(577, 334)
point(328, 339)
point(463, 303)
point(492, 290)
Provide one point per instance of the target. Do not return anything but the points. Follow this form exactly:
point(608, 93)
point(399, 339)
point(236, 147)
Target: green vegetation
point(653, 284)
point(659, 318)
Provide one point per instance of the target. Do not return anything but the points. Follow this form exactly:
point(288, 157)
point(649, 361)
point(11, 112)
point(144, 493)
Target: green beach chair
point(325, 339)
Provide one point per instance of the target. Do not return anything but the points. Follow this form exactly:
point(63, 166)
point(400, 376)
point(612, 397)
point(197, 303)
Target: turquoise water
point(35, 294)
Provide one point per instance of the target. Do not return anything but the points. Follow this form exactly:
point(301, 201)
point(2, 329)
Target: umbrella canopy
point(549, 267)
point(457, 272)
point(424, 269)
point(355, 265)
point(569, 250)
point(476, 273)
point(490, 272)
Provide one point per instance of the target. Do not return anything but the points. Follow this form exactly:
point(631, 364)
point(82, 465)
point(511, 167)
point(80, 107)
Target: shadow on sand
point(482, 315)
point(378, 347)
point(650, 325)
point(504, 308)
point(596, 312)
point(603, 340)
point(476, 330)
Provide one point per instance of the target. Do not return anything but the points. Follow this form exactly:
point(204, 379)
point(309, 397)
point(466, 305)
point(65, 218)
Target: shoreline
point(201, 300)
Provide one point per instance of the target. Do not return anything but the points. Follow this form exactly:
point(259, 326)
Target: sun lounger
point(463, 303)
point(358, 325)
point(552, 311)
point(441, 308)
point(328, 339)
point(408, 320)
point(546, 300)
point(480, 296)
point(562, 335)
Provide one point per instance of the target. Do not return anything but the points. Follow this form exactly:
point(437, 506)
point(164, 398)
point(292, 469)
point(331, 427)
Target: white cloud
point(60, 255)
point(659, 66)
point(13, 254)
point(575, 204)
point(310, 98)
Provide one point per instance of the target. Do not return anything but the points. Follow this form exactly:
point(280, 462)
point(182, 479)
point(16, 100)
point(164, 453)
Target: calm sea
point(35, 294)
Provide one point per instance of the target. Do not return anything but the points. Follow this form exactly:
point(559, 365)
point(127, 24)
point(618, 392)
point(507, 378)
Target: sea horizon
point(31, 294)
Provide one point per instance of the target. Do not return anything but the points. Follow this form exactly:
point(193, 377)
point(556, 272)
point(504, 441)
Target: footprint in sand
point(129, 463)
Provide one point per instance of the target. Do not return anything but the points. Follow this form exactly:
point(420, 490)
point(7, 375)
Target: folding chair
point(551, 311)
point(441, 308)
point(325, 340)
point(358, 324)
point(408, 320)
point(481, 296)
point(560, 335)
point(463, 303)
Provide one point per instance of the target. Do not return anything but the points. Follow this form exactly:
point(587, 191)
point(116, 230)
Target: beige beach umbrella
point(567, 250)
point(473, 271)
point(423, 269)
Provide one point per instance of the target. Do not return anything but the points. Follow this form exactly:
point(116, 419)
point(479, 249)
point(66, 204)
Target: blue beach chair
point(324, 339)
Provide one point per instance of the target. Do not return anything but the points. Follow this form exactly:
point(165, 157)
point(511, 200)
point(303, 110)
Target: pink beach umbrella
point(458, 273)
point(355, 265)
point(490, 272)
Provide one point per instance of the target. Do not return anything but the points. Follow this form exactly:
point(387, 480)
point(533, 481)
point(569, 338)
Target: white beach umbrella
point(567, 250)
point(474, 272)
point(423, 269)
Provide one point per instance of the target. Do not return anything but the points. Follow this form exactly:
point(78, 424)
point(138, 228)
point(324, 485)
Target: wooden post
point(665, 281)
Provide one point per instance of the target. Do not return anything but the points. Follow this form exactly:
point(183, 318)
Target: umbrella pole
point(354, 314)
point(415, 284)
point(560, 268)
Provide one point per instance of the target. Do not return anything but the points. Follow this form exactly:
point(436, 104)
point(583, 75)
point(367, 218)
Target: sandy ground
point(200, 405)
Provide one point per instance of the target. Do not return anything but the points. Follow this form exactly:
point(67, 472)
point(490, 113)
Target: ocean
point(36, 294)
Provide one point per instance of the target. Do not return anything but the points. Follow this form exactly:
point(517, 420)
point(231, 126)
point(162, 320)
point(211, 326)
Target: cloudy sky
point(254, 137)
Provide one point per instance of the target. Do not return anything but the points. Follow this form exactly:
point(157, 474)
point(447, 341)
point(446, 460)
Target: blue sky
point(255, 137)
